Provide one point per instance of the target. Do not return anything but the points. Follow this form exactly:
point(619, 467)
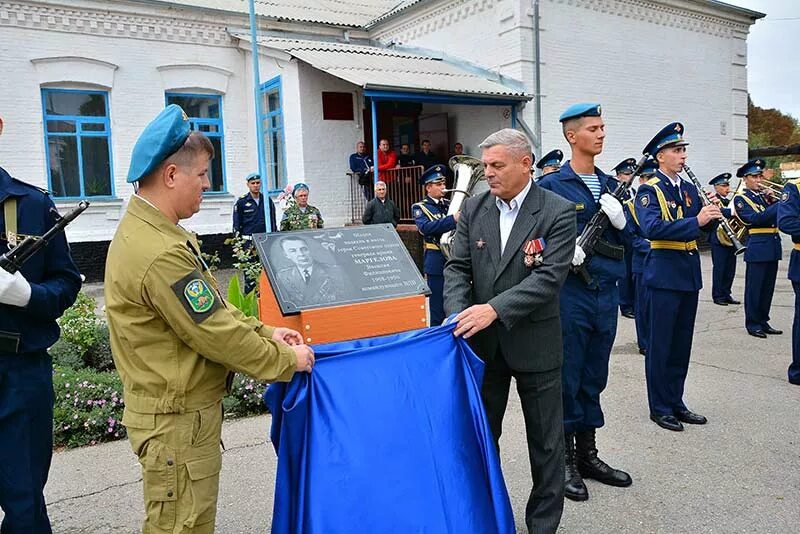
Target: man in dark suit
point(509, 259)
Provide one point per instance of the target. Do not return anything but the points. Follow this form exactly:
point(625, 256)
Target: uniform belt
point(431, 246)
point(673, 245)
point(604, 248)
point(762, 230)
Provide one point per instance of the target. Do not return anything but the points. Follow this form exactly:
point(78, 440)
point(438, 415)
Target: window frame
point(220, 133)
point(274, 83)
point(78, 134)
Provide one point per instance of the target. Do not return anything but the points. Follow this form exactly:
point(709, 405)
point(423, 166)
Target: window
point(272, 129)
point(337, 106)
point(78, 144)
point(205, 115)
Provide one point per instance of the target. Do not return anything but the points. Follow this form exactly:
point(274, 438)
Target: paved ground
point(740, 473)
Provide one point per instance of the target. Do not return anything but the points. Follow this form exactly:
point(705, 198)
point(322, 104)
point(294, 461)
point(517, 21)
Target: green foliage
point(88, 407)
point(245, 258)
point(771, 127)
point(247, 304)
point(245, 397)
point(80, 324)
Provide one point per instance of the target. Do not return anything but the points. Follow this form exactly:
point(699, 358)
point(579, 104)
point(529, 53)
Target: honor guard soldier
point(640, 247)
point(671, 216)
point(759, 212)
point(551, 162)
point(789, 223)
point(430, 215)
point(722, 252)
point(248, 212)
point(624, 173)
point(30, 302)
point(588, 312)
point(174, 339)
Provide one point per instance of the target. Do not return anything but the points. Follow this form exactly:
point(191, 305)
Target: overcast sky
point(773, 71)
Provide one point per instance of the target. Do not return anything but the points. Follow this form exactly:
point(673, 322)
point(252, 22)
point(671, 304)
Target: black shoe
point(720, 302)
point(795, 382)
point(670, 422)
point(629, 314)
point(642, 351)
point(772, 331)
point(687, 416)
point(731, 300)
point(590, 466)
point(757, 333)
point(574, 488)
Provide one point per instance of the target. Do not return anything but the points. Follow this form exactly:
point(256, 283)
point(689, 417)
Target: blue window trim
point(220, 133)
point(265, 87)
point(79, 120)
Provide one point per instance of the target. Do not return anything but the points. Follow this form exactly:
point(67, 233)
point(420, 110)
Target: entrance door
point(434, 128)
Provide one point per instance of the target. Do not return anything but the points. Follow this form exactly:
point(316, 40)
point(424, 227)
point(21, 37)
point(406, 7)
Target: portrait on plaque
point(317, 268)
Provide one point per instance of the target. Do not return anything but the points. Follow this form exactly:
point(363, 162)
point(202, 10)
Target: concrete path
point(740, 473)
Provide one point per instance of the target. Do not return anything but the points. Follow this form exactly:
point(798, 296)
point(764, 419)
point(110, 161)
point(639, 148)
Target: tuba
point(469, 180)
point(735, 223)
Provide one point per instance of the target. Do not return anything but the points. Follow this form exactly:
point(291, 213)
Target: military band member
point(722, 254)
point(624, 173)
point(173, 338)
point(550, 162)
point(432, 220)
point(760, 214)
point(588, 312)
point(789, 222)
point(671, 216)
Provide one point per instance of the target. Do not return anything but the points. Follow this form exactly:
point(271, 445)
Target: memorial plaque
point(320, 268)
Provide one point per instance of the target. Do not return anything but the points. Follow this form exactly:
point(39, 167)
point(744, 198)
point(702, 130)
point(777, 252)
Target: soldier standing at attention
point(723, 254)
point(302, 215)
point(248, 212)
point(174, 339)
point(627, 291)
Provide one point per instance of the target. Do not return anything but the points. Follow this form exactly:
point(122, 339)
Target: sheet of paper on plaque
point(320, 268)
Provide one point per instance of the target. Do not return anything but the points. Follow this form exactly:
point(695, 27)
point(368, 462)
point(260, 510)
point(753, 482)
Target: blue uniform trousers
point(759, 286)
point(588, 325)
point(627, 288)
point(724, 261)
point(641, 311)
point(794, 368)
point(26, 440)
point(436, 299)
point(671, 324)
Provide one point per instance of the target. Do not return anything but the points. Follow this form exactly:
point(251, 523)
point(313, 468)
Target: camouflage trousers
point(181, 460)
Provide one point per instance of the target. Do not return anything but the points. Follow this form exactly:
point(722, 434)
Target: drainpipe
point(537, 120)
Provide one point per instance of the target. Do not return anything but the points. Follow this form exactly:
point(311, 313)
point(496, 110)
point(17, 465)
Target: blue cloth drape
point(388, 435)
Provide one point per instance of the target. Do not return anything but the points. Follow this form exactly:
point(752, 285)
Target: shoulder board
point(796, 182)
point(244, 196)
point(653, 181)
point(30, 186)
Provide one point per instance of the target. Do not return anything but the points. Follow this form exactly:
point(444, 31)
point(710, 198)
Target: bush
point(245, 397)
point(80, 323)
point(88, 407)
point(84, 338)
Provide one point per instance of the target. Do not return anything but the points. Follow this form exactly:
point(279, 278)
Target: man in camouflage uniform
point(301, 215)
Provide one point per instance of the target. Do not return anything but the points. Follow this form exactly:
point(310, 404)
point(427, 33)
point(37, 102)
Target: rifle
point(12, 260)
point(594, 229)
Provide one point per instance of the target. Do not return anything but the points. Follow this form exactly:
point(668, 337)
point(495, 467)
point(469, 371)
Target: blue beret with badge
point(649, 168)
point(253, 176)
point(432, 174)
point(159, 140)
point(670, 135)
point(626, 166)
point(754, 166)
point(721, 179)
point(299, 186)
point(584, 109)
point(551, 159)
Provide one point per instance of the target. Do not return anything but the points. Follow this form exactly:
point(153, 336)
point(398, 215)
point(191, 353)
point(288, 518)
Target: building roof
point(374, 67)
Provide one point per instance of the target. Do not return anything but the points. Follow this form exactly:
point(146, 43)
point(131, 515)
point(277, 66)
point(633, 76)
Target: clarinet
point(737, 245)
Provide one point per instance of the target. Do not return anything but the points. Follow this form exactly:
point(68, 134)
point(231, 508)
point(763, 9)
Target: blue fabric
point(724, 260)
point(759, 286)
point(754, 166)
point(760, 247)
point(789, 223)
point(626, 166)
point(360, 162)
point(432, 230)
point(670, 135)
point(388, 435)
point(720, 179)
point(159, 140)
point(550, 159)
point(641, 310)
point(583, 109)
point(248, 215)
point(794, 367)
point(433, 174)
point(436, 299)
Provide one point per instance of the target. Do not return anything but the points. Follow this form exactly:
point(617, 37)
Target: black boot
point(574, 488)
point(590, 466)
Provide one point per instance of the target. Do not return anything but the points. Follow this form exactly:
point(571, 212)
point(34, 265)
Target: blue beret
point(298, 186)
point(626, 166)
point(670, 135)
point(432, 174)
point(650, 167)
point(754, 166)
point(720, 179)
point(584, 109)
point(253, 176)
point(551, 159)
point(159, 140)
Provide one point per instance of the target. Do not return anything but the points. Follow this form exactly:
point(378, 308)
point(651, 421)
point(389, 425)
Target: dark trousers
point(588, 326)
point(794, 368)
point(540, 395)
point(724, 271)
point(26, 440)
point(627, 288)
point(641, 310)
point(436, 299)
point(671, 324)
point(759, 286)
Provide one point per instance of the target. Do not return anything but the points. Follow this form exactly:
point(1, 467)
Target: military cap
point(669, 136)
point(298, 186)
point(551, 159)
point(159, 140)
point(584, 109)
point(626, 166)
point(754, 166)
point(432, 174)
point(253, 176)
point(720, 179)
point(650, 167)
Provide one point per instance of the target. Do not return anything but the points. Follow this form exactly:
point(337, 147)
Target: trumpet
point(726, 228)
point(771, 190)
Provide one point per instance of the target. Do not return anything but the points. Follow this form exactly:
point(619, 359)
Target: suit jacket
point(325, 286)
point(527, 332)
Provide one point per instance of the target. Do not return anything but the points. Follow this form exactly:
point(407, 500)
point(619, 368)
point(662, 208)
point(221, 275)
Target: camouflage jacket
point(295, 219)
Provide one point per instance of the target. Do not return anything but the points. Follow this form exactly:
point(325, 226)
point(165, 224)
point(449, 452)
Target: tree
point(770, 127)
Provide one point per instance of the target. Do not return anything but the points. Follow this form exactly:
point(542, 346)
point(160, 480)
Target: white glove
point(612, 207)
point(732, 206)
point(579, 256)
point(14, 289)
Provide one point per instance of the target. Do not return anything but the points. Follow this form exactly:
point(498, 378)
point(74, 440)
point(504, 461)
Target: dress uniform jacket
point(723, 257)
point(432, 221)
point(640, 247)
point(789, 222)
point(248, 215)
point(761, 218)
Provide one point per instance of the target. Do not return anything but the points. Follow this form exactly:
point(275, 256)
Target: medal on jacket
point(687, 199)
point(533, 252)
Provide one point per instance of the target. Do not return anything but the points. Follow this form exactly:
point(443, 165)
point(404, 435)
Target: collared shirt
point(509, 212)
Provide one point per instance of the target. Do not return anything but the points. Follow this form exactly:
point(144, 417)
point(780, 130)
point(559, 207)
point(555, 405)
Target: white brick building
point(647, 61)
